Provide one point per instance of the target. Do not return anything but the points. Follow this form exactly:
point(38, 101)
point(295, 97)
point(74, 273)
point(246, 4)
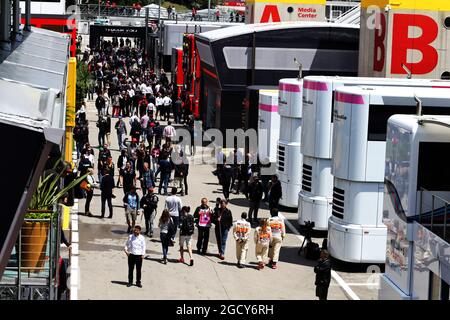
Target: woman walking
point(166, 227)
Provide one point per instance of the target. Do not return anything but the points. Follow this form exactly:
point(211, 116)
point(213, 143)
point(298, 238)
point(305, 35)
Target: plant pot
point(34, 245)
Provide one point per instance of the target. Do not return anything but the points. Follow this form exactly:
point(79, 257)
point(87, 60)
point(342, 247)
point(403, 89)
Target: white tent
point(153, 11)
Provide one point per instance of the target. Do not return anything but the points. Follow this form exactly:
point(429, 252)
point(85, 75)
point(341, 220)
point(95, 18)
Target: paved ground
point(103, 264)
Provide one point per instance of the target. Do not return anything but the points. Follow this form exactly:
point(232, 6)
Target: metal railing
point(90, 11)
point(436, 219)
point(336, 11)
point(32, 271)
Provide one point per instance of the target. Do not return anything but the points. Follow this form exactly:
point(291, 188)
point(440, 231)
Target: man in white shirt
point(169, 132)
point(167, 106)
point(151, 109)
point(135, 250)
point(159, 105)
point(174, 205)
point(133, 118)
point(143, 87)
point(148, 90)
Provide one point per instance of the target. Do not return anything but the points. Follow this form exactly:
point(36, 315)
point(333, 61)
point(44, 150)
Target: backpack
point(136, 126)
point(188, 226)
point(154, 202)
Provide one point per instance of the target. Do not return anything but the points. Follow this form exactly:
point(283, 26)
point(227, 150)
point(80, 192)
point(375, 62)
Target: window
point(379, 115)
point(433, 161)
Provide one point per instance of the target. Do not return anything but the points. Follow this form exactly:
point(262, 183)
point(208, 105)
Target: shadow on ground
point(123, 283)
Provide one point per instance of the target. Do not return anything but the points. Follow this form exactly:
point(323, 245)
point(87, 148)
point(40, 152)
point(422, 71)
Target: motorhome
point(261, 54)
point(289, 160)
point(316, 195)
point(269, 126)
point(356, 232)
point(416, 208)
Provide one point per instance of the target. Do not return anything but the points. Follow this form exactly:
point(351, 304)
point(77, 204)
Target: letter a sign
point(270, 11)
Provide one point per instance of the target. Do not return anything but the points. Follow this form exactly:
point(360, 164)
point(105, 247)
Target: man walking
point(149, 203)
point(223, 219)
point(202, 216)
point(165, 168)
point(255, 193)
point(323, 275)
point(241, 233)
point(174, 205)
point(278, 228)
point(100, 104)
point(102, 129)
point(131, 205)
point(177, 110)
point(135, 250)
point(169, 132)
point(129, 178)
point(225, 180)
point(148, 178)
point(107, 187)
point(121, 130)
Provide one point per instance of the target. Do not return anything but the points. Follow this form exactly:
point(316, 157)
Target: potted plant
point(41, 211)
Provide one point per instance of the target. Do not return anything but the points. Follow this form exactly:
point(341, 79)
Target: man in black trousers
point(135, 250)
point(107, 187)
point(323, 275)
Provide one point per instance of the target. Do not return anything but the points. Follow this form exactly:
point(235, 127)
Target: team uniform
point(262, 241)
point(278, 233)
point(241, 233)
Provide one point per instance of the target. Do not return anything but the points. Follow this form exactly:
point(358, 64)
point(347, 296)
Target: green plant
point(48, 192)
point(84, 82)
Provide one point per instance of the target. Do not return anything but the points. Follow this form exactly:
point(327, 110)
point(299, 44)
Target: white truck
point(356, 232)
point(416, 203)
point(316, 195)
point(289, 158)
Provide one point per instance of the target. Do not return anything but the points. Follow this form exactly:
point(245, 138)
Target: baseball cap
point(151, 189)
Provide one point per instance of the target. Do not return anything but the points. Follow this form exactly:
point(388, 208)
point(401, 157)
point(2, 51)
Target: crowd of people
point(127, 89)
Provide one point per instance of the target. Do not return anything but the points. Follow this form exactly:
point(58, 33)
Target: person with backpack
point(187, 228)
point(149, 203)
point(241, 233)
point(202, 216)
point(131, 205)
point(174, 205)
point(223, 220)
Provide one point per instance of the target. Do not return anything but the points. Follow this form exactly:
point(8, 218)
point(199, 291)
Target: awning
point(33, 81)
